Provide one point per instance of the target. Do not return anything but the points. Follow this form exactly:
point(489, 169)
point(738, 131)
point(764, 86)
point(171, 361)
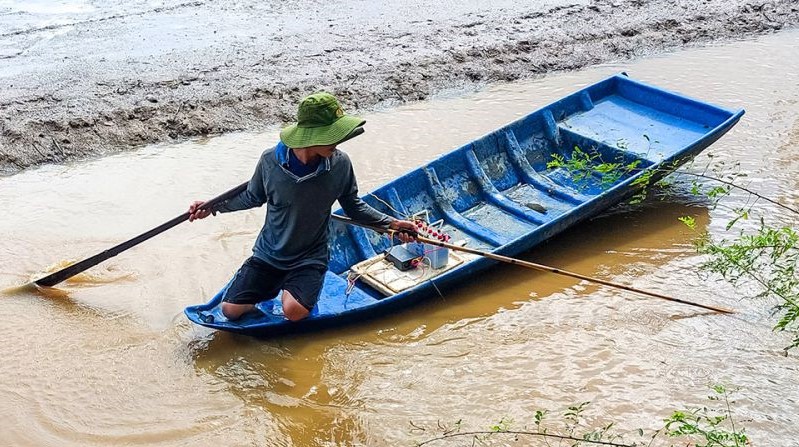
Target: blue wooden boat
point(497, 194)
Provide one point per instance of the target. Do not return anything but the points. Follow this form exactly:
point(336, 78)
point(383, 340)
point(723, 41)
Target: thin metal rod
point(534, 266)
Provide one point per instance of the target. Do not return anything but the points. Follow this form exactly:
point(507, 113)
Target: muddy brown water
point(112, 361)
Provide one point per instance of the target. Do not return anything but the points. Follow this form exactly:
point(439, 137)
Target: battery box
point(401, 257)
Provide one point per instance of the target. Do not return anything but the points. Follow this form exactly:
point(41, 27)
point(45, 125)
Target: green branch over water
point(764, 257)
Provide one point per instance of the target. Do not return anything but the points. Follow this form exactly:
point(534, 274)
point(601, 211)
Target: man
point(299, 179)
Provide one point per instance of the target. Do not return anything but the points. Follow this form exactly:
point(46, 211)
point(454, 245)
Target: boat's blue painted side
point(497, 193)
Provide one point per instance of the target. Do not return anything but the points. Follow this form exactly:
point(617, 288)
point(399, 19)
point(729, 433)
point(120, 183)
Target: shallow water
point(115, 362)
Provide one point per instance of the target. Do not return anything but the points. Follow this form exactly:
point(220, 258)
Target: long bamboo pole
point(534, 266)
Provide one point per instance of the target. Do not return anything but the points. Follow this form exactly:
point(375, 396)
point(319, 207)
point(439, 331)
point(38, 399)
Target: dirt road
point(85, 78)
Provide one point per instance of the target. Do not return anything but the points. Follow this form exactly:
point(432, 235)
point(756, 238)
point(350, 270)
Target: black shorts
point(258, 281)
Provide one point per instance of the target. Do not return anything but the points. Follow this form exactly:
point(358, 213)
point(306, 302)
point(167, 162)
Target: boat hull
point(501, 194)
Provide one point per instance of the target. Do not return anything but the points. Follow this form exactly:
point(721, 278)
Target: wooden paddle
point(531, 265)
point(68, 272)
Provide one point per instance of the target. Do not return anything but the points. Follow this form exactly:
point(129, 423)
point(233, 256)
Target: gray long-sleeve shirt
point(295, 231)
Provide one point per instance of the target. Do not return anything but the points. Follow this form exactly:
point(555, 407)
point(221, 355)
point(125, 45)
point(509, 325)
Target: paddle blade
point(18, 290)
point(72, 270)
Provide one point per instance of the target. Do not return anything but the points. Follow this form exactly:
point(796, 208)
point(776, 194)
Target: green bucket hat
point(321, 121)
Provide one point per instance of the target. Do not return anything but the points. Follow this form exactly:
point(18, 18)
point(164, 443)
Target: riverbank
point(92, 81)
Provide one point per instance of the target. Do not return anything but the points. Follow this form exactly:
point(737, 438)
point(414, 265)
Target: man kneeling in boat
point(299, 179)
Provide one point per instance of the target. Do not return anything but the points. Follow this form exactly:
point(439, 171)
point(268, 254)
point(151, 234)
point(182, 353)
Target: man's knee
point(292, 309)
point(235, 311)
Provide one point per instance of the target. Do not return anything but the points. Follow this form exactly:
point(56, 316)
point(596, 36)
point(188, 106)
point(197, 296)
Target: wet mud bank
point(106, 81)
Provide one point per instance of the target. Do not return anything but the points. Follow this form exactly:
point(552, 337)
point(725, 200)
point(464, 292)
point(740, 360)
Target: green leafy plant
point(582, 166)
point(766, 256)
point(707, 428)
point(699, 427)
point(571, 429)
